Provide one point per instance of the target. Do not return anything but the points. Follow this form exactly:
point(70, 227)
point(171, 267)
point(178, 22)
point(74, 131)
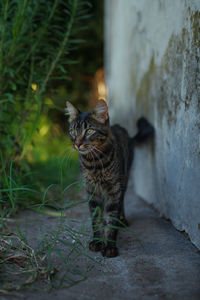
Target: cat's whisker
point(66, 154)
point(94, 147)
point(90, 151)
point(98, 158)
point(67, 158)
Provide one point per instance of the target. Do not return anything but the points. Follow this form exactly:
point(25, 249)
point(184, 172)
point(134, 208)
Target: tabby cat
point(105, 157)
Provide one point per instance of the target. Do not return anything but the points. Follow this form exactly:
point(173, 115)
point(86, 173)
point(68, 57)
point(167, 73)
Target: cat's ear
point(100, 112)
point(71, 111)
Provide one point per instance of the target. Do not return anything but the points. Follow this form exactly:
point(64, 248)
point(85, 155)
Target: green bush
point(36, 42)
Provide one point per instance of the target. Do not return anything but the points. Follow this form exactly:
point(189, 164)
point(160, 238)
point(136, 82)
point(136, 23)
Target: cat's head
point(88, 130)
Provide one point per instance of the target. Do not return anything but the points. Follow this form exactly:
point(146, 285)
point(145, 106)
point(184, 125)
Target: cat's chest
point(94, 177)
point(99, 179)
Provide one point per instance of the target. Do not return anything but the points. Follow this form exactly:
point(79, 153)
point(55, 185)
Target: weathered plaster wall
point(152, 63)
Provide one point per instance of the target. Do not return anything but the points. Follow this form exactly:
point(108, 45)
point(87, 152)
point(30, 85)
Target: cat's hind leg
point(122, 219)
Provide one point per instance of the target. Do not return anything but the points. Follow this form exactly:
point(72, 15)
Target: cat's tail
point(145, 131)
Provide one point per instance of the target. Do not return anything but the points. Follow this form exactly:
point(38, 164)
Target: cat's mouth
point(84, 151)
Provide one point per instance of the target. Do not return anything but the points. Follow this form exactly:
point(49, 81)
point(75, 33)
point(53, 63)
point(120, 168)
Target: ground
point(155, 260)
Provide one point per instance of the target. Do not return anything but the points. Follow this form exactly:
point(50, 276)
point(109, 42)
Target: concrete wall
point(152, 57)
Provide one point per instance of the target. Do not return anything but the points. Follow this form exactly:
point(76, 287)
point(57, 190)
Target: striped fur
point(105, 157)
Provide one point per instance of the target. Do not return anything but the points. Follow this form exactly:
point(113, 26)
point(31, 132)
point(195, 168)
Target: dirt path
point(155, 262)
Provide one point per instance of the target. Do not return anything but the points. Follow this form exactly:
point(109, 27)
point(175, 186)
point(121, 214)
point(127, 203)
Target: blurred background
point(50, 52)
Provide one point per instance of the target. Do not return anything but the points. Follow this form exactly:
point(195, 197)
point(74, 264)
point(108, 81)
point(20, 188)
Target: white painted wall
point(152, 57)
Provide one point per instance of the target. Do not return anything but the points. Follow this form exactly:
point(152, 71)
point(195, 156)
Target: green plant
point(38, 170)
point(53, 258)
point(36, 42)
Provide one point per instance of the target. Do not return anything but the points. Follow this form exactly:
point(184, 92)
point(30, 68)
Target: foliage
point(38, 168)
point(36, 42)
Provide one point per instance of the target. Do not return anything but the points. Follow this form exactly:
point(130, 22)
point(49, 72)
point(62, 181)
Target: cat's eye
point(72, 132)
point(90, 131)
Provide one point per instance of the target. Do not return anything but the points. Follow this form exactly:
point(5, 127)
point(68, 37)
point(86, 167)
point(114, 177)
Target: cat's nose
point(78, 145)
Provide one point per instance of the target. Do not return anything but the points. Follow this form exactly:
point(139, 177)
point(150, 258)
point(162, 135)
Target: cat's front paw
point(110, 251)
point(96, 245)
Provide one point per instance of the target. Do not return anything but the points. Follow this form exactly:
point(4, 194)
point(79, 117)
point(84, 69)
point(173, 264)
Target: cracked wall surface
point(152, 58)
